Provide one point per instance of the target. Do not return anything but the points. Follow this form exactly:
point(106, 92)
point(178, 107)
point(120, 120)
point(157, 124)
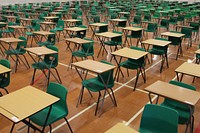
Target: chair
point(9, 30)
point(5, 78)
point(85, 51)
point(195, 29)
point(137, 35)
point(162, 51)
point(18, 52)
point(164, 24)
point(173, 21)
point(182, 109)
point(58, 111)
point(51, 39)
point(121, 24)
point(60, 28)
point(188, 35)
point(158, 119)
point(97, 85)
point(152, 27)
point(80, 34)
point(137, 65)
point(36, 27)
point(198, 57)
point(49, 61)
point(136, 20)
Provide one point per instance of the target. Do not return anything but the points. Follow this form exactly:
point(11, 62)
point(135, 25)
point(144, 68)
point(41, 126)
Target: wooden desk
point(50, 18)
point(93, 27)
point(71, 22)
point(103, 36)
point(97, 68)
point(130, 54)
point(188, 69)
point(4, 69)
point(73, 30)
point(121, 128)
point(175, 35)
point(47, 25)
point(41, 34)
point(17, 29)
point(18, 105)
point(131, 29)
point(114, 21)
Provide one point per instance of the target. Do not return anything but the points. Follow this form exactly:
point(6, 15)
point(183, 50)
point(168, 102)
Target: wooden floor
point(129, 103)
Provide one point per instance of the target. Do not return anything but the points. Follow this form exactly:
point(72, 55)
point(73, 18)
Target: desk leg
point(150, 98)
point(118, 68)
point(125, 34)
point(11, 130)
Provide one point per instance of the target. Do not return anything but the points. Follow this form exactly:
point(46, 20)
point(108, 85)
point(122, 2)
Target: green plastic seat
point(188, 35)
point(152, 28)
point(158, 119)
point(35, 27)
point(5, 79)
point(136, 20)
point(182, 109)
point(137, 35)
point(137, 65)
point(50, 61)
point(51, 40)
point(59, 109)
point(195, 29)
point(164, 24)
point(19, 51)
point(60, 28)
point(97, 85)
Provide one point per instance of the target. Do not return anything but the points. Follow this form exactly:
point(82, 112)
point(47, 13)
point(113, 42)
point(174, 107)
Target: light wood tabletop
point(44, 33)
point(156, 42)
point(174, 92)
point(189, 69)
point(118, 20)
point(51, 17)
point(121, 128)
point(172, 34)
point(4, 69)
point(46, 22)
point(93, 66)
point(76, 29)
point(78, 40)
point(72, 20)
point(130, 53)
point(197, 52)
point(10, 40)
point(40, 51)
point(184, 26)
point(133, 28)
point(17, 27)
point(108, 34)
point(98, 24)
point(22, 103)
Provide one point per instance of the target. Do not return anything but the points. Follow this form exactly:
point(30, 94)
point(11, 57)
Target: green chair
point(137, 35)
point(58, 111)
point(147, 17)
point(198, 57)
point(137, 65)
point(60, 28)
point(152, 28)
point(195, 29)
point(182, 109)
point(100, 30)
point(51, 40)
point(35, 27)
point(85, 51)
point(164, 24)
point(49, 62)
point(158, 119)
point(136, 20)
point(19, 51)
point(121, 24)
point(5, 78)
point(97, 85)
point(161, 51)
point(80, 34)
point(9, 31)
point(173, 22)
point(188, 35)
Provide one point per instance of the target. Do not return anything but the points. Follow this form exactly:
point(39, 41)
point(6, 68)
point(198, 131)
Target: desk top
point(184, 26)
point(18, 105)
point(40, 51)
point(78, 40)
point(121, 128)
point(108, 34)
point(189, 69)
point(197, 52)
point(124, 12)
point(133, 28)
point(75, 29)
point(50, 17)
point(4, 69)
point(17, 27)
point(3, 23)
point(130, 53)
point(98, 24)
point(172, 34)
point(26, 19)
point(156, 42)
point(10, 40)
point(72, 20)
point(118, 20)
point(93, 66)
point(174, 92)
point(46, 22)
point(44, 33)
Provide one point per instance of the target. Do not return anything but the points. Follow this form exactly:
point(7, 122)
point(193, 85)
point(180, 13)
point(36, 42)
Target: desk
point(74, 30)
point(160, 43)
point(93, 26)
point(121, 128)
point(188, 69)
point(17, 30)
point(4, 69)
point(41, 34)
point(18, 105)
point(50, 18)
point(97, 68)
point(47, 25)
point(26, 21)
point(10, 18)
point(197, 58)
point(71, 22)
point(103, 36)
point(10, 41)
point(40, 52)
point(172, 35)
point(135, 30)
point(114, 21)
point(130, 54)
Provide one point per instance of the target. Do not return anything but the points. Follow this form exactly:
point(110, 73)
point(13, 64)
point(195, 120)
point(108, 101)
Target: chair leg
point(113, 97)
point(50, 128)
point(97, 103)
point(6, 90)
point(137, 76)
point(32, 81)
point(58, 75)
point(68, 125)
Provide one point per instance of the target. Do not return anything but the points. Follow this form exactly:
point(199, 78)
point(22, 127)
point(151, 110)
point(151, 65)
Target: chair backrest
point(61, 92)
point(103, 29)
point(78, 23)
point(107, 76)
point(158, 119)
point(89, 47)
point(141, 60)
point(175, 40)
point(187, 32)
point(136, 34)
point(60, 24)
point(152, 26)
point(164, 22)
point(51, 59)
point(137, 19)
point(122, 24)
point(173, 19)
point(96, 19)
point(195, 26)
point(117, 40)
point(74, 16)
point(22, 45)
point(37, 27)
point(147, 17)
point(82, 34)
point(6, 78)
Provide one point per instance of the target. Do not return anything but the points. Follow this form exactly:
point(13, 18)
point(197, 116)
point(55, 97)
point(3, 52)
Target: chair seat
point(81, 53)
point(156, 51)
point(129, 64)
point(129, 36)
point(198, 56)
point(14, 52)
point(112, 43)
point(94, 84)
point(40, 65)
point(55, 115)
point(44, 43)
point(58, 29)
point(29, 34)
